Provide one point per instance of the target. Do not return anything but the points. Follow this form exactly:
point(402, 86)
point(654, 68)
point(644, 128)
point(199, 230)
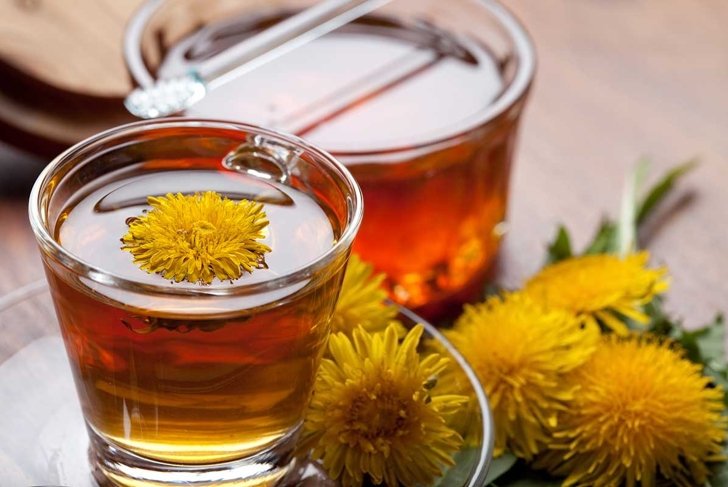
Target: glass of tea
point(182, 382)
point(421, 99)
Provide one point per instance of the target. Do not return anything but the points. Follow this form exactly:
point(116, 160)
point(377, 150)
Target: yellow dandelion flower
point(600, 288)
point(373, 413)
point(198, 237)
point(521, 353)
point(642, 412)
point(363, 300)
point(454, 381)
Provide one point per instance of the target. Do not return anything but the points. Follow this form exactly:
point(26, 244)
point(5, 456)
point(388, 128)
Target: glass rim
point(518, 87)
point(487, 450)
point(77, 265)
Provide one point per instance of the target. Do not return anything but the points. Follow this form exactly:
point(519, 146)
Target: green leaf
point(704, 346)
point(560, 248)
point(660, 190)
point(532, 482)
point(627, 224)
point(520, 475)
point(492, 289)
point(689, 342)
point(711, 340)
point(719, 475)
point(662, 324)
point(461, 471)
point(604, 240)
point(711, 343)
point(500, 466)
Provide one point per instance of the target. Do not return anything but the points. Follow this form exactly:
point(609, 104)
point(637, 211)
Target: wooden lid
point(62, 73)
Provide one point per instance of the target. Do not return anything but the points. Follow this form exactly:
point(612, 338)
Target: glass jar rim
point(515, 90)
point(77, 265)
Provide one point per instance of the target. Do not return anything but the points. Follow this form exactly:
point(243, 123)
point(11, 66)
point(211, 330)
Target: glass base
point(115, 466)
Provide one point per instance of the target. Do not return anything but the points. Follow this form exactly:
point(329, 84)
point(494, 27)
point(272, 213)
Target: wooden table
point(616, 80)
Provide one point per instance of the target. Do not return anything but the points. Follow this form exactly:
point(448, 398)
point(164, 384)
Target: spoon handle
point(168, 96)
point(283, 37)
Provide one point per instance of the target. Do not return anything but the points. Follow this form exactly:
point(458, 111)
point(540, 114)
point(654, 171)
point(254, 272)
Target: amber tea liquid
point(179, 382)
point(378, 94)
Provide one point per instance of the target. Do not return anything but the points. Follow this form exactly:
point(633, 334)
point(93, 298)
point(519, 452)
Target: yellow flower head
point(453, 381)
point(198, 237)
point(600, 288)
point(362, 301)
point(373, 412)
point(642, 410)
point(521, 353)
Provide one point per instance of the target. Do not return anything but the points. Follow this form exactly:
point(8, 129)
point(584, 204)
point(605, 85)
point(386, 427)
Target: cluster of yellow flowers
point(573, 390)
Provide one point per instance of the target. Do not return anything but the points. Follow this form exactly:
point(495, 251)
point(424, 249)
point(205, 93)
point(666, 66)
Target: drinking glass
point(182, 383)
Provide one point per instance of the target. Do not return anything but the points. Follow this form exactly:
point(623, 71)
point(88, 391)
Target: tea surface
point(91, 227)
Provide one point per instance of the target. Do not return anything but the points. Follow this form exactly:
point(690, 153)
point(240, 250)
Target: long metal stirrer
point(169, 96)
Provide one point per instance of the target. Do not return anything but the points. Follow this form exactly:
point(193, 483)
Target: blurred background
point(617, 80)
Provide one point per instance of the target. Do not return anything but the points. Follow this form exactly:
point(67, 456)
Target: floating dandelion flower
point(198, 237)
point(642, 412)
point(600, 288)
point(521, 353)
point(373, 412)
